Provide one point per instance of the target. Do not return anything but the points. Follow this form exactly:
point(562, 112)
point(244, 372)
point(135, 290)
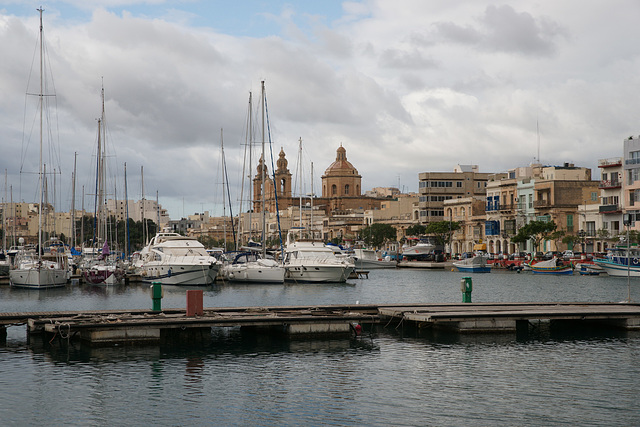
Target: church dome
point(341, 165)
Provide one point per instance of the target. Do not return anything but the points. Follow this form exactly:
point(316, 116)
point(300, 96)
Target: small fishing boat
point(587, 269)
point(552, 266)
point(475, 264)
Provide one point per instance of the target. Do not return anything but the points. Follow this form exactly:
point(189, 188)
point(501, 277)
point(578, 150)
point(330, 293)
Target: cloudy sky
point(406, 86)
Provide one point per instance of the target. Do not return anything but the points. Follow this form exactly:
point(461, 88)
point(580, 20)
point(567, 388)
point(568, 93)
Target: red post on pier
point(194, 303)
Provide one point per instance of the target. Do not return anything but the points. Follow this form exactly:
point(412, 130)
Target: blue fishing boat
point(476, 264)
point(552, 266)
point(621, 261)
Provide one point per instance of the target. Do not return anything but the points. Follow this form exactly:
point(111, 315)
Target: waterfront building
point(558, 194)
point(631, 186)
point(470, 213)
point(436, 187)
point(611, 200)
point(137, 210)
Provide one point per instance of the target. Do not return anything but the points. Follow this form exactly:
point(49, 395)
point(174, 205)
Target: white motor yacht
point(313, 261)
point(173, 259)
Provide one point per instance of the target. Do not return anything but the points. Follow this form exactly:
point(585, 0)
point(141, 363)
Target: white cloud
point(405, 89)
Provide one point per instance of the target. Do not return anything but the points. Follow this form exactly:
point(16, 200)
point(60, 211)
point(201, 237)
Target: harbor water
point(390, 376)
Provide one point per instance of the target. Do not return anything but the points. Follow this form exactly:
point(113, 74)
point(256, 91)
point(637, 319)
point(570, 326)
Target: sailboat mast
point(41, 177)
point(249, 177)
point(224, 201)
point(126, 208)
point(4, 216)
point(145, 235)
point(263, 179)
point(82, 223)
point(300, 178)
point(103, 172)
point(311, 204)
point(73, 201)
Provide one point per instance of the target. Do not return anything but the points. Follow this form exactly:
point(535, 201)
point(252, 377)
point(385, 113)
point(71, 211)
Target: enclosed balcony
point(610, 209)
point(606, 184)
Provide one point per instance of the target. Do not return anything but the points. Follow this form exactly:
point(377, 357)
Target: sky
point(405, 86)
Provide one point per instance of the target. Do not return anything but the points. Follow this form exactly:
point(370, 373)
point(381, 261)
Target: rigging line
point(226, 175)
point(273, 169)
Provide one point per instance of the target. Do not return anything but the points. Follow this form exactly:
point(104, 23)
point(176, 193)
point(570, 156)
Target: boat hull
point(318, 273)
point(103, 276)
point(463, 269)
point(180, 274)
point(374, 264)
point(38, 278)
point(552, 270)
point(254, 274)
point(617, 269)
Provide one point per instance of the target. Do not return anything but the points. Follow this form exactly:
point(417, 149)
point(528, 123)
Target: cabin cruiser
point(173, 259)
point(251, 266)
point(313, 261)
point(368, 259)
point(421, 249)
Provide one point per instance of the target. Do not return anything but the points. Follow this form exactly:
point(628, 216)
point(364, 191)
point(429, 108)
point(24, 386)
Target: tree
point(442, 230)
point(536, 231)
point(376, 235)
point(416, 230)
point(571, 240)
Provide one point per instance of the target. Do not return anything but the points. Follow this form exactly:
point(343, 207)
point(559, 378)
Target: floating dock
point(166, 326)
point(510, 317)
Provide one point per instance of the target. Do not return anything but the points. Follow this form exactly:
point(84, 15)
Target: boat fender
point(169, 273)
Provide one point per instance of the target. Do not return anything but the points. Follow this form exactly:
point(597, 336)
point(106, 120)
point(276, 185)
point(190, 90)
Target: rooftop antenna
point(538, 133)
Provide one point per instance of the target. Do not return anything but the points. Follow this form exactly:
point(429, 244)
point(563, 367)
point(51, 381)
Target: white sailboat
point(41, 266)
point(101, 266)
point(254, 266)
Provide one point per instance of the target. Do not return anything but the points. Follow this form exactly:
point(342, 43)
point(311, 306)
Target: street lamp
point(582, 234)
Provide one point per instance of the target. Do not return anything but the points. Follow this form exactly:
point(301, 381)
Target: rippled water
point(388, 377)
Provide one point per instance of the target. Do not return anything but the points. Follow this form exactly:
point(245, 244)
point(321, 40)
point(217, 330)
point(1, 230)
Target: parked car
point(552, 254)
point(567, 254)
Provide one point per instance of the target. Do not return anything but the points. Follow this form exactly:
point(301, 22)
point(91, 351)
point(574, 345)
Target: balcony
point(610, 209)
point(541, 204)
point(507, 207)
point(608, 163)
point(609, 184)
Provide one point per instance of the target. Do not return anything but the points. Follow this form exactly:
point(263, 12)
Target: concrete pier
point(170, 325)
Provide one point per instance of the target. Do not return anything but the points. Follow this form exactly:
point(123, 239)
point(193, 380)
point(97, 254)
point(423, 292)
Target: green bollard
point(156, 296)
point(466, 286)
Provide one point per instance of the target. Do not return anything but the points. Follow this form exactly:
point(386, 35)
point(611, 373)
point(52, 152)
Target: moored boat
point(368, 259)
point(173, 259)
point(420, 249)
point(313, 261)
point(552, 266)
point(621, 261)
point(250, 266)
point(475, 264)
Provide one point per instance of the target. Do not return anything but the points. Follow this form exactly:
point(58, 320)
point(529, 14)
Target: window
point(459, 184)
point(594, 196)
point(570, 223)
point(334, 190)
point(346, 189)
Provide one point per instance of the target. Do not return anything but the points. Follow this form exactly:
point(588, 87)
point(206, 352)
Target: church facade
point(341, 188)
